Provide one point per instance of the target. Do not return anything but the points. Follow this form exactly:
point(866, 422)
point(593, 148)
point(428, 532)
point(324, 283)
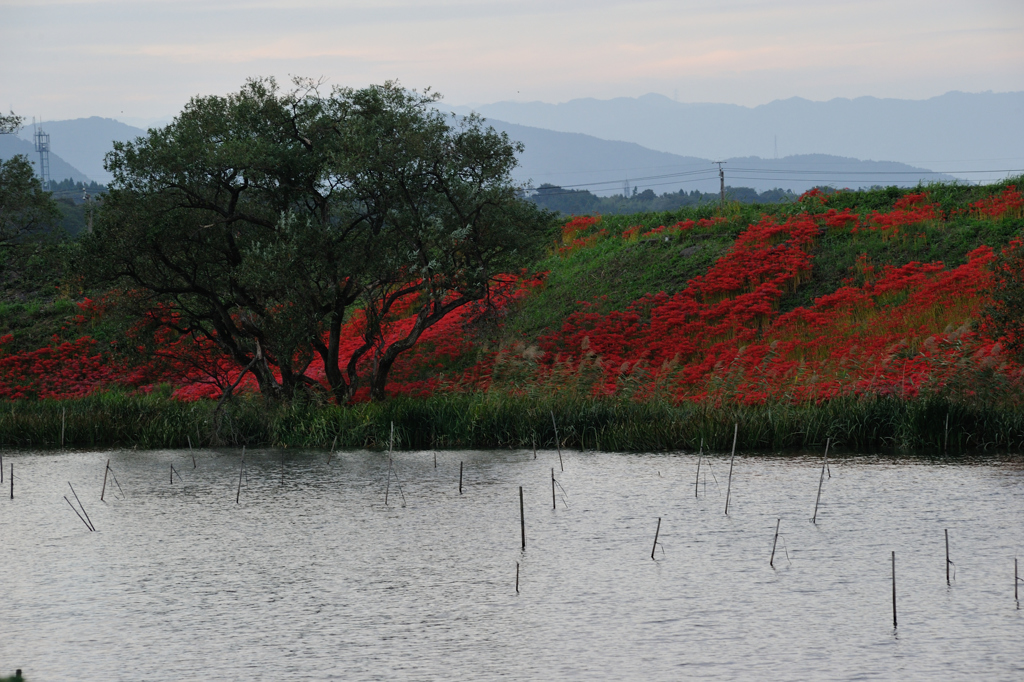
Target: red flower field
point(724, 337)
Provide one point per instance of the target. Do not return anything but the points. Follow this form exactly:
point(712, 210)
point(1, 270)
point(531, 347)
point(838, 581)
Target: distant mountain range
point(605, 167)
point(949, 133)
point(653, 142)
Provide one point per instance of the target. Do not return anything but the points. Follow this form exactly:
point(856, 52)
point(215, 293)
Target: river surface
point(310, 576)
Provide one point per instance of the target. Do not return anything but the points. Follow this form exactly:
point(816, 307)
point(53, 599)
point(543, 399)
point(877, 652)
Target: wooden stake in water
point(331, 453)
point(76, 512)
point(894, 588)
point(728, 490)
point(391, 442)
point(558, 443)
point(656, 531)
point(1, 468)
point(522, 517)
point(1016, 580)
point(696, 481)
point(947, 556)
point(533, 437)
point(106, 470)
point(240, 470)
point(553, 505)
point(460, 478)
point(771, 562)
point(821, 481)
point(517, 577)
point(12, 480)
point(81, 505)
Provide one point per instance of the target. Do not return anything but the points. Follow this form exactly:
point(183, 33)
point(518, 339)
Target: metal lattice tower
point(42, 140)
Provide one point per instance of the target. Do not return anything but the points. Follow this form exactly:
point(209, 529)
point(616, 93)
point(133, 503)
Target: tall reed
point(501, 420)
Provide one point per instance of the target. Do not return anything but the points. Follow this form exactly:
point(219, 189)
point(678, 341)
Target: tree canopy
point(24, 206)
point(261, 220)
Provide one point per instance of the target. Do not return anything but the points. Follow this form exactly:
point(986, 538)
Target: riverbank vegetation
point(934, 426)
point(884, 319)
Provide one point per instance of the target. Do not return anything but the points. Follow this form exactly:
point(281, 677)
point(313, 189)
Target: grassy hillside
point(851, 315)
point(612, 273)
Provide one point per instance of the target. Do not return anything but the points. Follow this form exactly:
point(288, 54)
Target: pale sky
point(141, 60)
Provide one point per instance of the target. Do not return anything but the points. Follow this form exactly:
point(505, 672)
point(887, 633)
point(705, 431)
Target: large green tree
point(261, 220)
point(24, 206)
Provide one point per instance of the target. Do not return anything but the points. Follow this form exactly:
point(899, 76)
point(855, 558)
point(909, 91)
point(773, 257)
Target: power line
point(766, 174)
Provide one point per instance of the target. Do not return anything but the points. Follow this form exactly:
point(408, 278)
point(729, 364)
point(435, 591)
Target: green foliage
point(10, 123)
point(24, 207)
point(262, 218)
point(583, 202)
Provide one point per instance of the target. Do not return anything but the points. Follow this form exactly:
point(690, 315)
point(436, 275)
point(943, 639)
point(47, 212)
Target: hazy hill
point(604, 167)
point(83, 142)
point(558, 158)
point(952, 132)
point(11, 145)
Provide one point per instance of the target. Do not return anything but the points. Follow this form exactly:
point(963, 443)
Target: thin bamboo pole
point(76, 512)
point(947, 556)
point(728, 490)
point(696, 481)
point(81, 505)
point(106, 470)
point(241, 468)
point(894, 588)
point(821, 482)
point(558, 443)
point(522, 517)
point(656, 531)
point(553, 505)
point(771, 562)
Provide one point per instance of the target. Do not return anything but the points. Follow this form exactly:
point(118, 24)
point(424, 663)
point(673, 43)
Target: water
point(315, 578)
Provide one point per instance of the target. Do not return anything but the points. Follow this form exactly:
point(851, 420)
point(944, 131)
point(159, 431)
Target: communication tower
point(42, 140)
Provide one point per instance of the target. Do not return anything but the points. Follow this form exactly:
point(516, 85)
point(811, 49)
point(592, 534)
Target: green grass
point(614, 272)
point(498, 420)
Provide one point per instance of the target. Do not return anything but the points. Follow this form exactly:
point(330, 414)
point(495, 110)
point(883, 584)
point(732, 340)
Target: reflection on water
point(311, 576)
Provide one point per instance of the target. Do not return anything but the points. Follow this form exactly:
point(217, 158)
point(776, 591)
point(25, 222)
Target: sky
point(141, 60)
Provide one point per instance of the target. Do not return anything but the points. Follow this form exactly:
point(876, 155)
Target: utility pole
point(721, 178)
